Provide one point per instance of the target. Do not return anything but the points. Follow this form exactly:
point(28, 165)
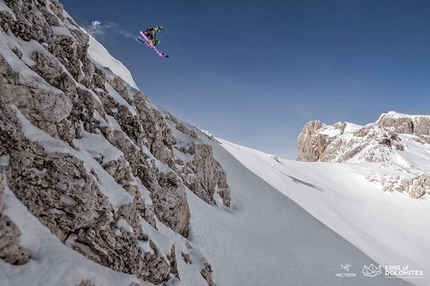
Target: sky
point(255, 72)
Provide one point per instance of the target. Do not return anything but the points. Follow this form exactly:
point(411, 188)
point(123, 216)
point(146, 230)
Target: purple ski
point(149, 44)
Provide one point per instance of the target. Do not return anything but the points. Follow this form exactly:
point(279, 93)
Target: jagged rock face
point(381, 142)
point(204, 175)
point(90, 156)
point(339, 143)
point(10, 251)
point(414, 182)
point(309, 142)
point(416, 125)
point(66, 197)
point(207, 274)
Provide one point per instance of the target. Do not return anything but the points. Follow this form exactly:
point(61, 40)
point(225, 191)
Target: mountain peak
point(391, 142)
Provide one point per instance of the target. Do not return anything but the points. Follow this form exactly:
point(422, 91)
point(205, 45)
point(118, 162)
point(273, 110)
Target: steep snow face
point(391, 228)
point(399, 144)
point(101, 56)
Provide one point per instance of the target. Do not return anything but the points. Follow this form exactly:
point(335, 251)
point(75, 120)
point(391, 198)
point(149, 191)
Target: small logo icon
point(372, 270)
point(345, 267)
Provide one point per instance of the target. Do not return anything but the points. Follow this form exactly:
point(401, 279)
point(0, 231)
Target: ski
point(152, 47)
point(149, 44)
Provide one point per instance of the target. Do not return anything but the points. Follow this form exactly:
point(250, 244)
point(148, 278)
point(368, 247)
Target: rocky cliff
point(386, 142)
point(89, 155)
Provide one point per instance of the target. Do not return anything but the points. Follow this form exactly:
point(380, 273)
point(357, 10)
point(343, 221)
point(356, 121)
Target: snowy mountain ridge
point(398, 143)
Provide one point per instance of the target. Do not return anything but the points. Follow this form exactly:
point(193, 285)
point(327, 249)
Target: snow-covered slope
point(100, 55)
point(392, 229)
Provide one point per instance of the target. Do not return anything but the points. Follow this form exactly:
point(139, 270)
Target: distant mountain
point(398, 143)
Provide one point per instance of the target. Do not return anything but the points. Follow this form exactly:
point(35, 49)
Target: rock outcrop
point(383, 142)
point(89, 154)
point(405, 124)
point(10, 250)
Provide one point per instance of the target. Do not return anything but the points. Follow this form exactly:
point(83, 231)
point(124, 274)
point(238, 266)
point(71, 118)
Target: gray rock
point(309, 142)
point(205, 175)
point(10, 251)
point(207, 274)
point(405, 124)
point(417, 186)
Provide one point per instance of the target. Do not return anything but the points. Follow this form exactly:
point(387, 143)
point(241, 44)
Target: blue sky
point(254, 72)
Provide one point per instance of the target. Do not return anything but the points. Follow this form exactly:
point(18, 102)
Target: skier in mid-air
point(151, 33)
point(149, 39)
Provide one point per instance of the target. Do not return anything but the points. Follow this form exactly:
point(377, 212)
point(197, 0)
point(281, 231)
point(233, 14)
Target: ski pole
point(165, 34)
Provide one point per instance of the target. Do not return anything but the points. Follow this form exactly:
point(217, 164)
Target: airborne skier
point(150, 41)
point(151, 34)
